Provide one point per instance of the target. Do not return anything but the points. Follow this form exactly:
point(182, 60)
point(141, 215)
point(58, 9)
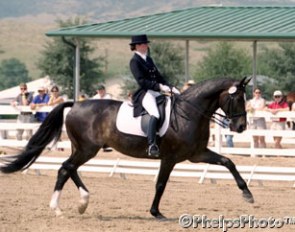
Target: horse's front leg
point(164, 173)
point(213, 158)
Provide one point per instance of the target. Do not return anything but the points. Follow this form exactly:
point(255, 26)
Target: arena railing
point(244, 144)
point(151, 168)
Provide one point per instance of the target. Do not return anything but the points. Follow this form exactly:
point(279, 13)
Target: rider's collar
point(143, 56)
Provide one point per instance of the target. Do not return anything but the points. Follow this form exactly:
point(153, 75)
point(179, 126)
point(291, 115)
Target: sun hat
point(41, 88)
point(23, 85)
point(139, 39)
point(277, 93)
point(191, 82)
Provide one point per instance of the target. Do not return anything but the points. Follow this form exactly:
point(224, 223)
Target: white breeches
point(149, 103)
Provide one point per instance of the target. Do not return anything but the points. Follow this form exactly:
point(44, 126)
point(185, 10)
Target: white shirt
point(257, 103)
point(106, 96)
point(143, 56)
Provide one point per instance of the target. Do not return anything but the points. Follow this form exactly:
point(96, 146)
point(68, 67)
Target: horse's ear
point(245, 81)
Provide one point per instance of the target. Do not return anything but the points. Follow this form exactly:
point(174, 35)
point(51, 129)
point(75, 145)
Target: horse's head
point(232, 102)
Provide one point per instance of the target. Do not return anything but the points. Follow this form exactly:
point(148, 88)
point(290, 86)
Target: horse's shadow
point(134, 218)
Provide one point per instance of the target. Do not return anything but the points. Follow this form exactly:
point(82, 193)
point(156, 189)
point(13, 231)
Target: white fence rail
point(200, 171)
point(245, 138)
point(10, 110)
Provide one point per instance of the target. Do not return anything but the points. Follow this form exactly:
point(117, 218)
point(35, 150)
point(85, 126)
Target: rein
point(186, 115)
point(223, 122)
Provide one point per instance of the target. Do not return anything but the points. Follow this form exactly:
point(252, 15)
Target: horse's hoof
point(158, 215)
point(82, 207)
point(58, 212)
point(248, 197)
point(162, 218)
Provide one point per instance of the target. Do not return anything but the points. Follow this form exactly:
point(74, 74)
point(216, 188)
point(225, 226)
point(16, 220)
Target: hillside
point(111, 9)
point(24, 23)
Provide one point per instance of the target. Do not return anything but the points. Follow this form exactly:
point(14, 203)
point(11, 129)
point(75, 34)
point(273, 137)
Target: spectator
point(101, 93)
point(228, 137)
point(55, 98)
point(257, 103)
point(82, 97)
point(40, 100)
point(187, 85)
point(23, 99)
point(278, 105)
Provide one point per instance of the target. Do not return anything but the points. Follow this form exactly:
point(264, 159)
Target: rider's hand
point(175, 91)
point(165, 88)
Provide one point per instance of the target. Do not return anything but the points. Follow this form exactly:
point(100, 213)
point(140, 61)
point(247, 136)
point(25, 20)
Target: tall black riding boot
point(153, 149)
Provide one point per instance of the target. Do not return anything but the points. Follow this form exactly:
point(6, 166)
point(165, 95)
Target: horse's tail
point(49, 130)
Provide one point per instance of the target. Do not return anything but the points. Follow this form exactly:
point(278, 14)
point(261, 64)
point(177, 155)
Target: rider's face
point(142, 48)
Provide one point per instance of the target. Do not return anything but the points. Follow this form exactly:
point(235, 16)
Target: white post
point(77, 70)
point(186, 60)
point(254, 64)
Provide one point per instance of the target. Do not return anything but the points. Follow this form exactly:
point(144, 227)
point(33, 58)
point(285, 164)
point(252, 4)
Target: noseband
point(230, 112)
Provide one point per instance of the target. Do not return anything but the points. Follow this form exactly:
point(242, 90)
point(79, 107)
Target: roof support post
point(77, 70)
point(186, 64)
point(254, 62)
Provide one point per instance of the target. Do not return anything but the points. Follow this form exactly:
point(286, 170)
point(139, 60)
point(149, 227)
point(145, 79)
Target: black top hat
point(139, 39)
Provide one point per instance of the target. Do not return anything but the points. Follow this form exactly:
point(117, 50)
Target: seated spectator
point(24, 98)
point(40, 100)
point(278, 105)
point(55, 98)
point(82, 97)
point(101, 93)
point(257, 103)
point(187, 85)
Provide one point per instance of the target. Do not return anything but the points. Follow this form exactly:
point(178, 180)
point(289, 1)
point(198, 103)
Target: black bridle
point(230, 112)
point(215, 116)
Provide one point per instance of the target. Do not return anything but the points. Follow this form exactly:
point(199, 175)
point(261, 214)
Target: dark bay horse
point(92, 124)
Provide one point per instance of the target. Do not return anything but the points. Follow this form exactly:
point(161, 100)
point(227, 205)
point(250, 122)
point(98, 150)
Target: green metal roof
point(209, 22)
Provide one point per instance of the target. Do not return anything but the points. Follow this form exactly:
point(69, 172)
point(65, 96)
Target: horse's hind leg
point(69, 169)
point(214, 158)
point(62, 177)
point(84, 193)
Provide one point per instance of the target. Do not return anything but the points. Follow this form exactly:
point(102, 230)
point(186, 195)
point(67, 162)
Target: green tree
point(12, 72)
point(223, 60)
point(279, 65)
point(169, 60)
point(58, 59)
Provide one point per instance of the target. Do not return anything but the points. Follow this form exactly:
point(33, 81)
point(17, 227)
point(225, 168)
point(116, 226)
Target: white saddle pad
point(127, 124)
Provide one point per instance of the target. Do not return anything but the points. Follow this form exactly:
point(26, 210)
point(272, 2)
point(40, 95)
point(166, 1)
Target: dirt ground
point(118, 204)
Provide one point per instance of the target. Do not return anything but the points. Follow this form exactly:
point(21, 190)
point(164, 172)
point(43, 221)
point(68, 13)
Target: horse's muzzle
point(238, 127)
